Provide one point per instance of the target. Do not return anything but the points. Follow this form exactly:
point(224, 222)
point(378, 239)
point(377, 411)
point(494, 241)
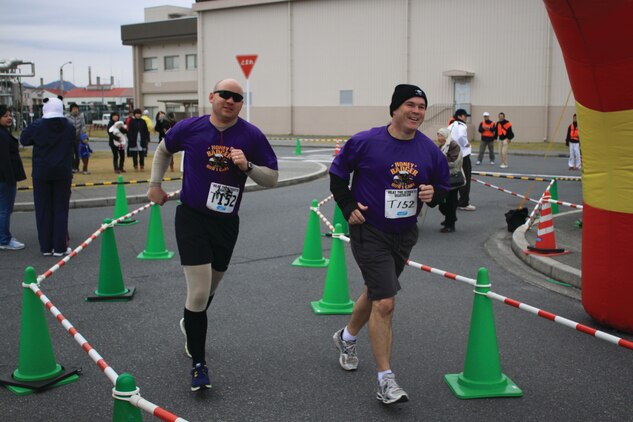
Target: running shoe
point(347, 351)
point(200, 377)
point(389, 391)
point(13, 245)
point(184, 332)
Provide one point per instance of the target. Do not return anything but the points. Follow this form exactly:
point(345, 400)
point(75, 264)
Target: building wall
point(310, 50)
point(156, 86)
point(263, 31)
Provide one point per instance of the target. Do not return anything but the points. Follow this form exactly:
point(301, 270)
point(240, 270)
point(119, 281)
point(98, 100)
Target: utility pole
point(61, 77)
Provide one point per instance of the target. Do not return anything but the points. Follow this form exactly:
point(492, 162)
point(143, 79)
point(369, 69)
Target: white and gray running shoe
point(347, 357)
point(389, 391)
point(184, 332)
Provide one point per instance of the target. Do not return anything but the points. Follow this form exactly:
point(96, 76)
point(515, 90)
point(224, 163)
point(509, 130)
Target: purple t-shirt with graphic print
point(387, 173)
point(212, 184)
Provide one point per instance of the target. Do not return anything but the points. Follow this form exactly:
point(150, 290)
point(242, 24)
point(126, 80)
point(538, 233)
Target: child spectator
point(84, 151)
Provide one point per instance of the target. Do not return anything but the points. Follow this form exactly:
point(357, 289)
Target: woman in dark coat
point(11, 172)
point(138, 139)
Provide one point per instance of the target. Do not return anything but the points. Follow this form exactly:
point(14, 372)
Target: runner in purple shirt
point(396, 169)
point(208, 148)
point(221, 151)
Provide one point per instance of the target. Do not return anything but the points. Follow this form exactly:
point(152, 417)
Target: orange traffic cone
point(545, 239)
point(338, 147)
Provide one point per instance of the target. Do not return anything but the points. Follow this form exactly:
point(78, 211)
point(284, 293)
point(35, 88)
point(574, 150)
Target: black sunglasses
point(229, 94)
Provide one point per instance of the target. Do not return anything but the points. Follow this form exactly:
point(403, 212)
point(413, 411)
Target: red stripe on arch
point(595, 38)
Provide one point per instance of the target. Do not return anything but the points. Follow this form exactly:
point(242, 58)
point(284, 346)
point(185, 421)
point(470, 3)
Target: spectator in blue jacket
point(53, 139)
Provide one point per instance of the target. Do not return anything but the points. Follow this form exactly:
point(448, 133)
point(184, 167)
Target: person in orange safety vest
point(488, 129)
point(573, 142)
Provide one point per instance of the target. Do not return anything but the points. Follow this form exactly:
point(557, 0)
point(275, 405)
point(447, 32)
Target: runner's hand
point(356, 217)
point(239, 159)
point(157, 195)
point(426, 193)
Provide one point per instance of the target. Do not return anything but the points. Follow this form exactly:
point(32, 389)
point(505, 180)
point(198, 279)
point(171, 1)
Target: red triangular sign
point(246, 63)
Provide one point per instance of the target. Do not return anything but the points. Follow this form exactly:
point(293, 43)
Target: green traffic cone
point(124, 411)
point(312, 255)
point(298, 147)
point(553, 193)
point(37, 368)
point(340, 219)
point(482, 375)
point(120, 205)
point(155, 246)
point(111, 285)
point(335, 299)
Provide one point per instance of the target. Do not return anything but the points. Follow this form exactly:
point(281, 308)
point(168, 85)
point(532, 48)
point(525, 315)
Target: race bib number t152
point(401, 203)
point(222, 198)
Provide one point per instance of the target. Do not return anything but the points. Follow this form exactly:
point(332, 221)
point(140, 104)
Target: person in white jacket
point(119, 142)
point(459, 133)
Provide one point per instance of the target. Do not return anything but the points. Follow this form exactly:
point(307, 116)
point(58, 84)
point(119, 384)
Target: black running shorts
point(204, 239)
point(381, 257)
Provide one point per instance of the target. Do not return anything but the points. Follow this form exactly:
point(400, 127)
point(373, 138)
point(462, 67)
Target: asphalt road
point(272, 359)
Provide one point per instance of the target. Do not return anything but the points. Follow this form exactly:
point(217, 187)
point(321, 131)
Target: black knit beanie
point(402, 93)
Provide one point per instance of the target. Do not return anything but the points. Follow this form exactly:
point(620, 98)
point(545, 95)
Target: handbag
point(457, 180)
point(516, 218)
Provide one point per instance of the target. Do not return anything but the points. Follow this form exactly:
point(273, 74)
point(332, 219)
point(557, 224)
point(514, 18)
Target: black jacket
point(53, 143)
point(135, 127)
point(11, 168)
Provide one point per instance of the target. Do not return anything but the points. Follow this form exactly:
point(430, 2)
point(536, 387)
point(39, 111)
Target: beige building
point(164, 51)
point(328, 67)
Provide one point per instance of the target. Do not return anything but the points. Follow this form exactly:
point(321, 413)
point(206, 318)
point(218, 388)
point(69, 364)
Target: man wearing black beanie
point(396, 170)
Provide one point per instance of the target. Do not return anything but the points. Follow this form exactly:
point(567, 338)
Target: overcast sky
point(88, 33)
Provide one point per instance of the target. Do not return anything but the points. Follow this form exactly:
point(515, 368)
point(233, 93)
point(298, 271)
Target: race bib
point(222, 198)
point(401, 203)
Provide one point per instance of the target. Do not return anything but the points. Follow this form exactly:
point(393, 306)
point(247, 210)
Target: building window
point(192, 61)
point(346, 97)
point(171, 108)
point(150, 63)
point(171, 62)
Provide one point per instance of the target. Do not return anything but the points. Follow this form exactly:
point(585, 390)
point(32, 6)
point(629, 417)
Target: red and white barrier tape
point(96, 357)
point(536, 177)
point(524, 307)
point(510, 176)
point(566, 204)
point(325, 200)
point(135, 399)
point(503, 190)
point(323, 218)
point(538, 206)
point(492, 295)
point(563, 321)
point(92, 237)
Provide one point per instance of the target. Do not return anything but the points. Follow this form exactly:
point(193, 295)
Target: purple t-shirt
point(211, 182)
point(387, 173)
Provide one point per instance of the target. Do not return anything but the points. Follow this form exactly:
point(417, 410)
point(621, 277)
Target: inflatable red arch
point(597, 44)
